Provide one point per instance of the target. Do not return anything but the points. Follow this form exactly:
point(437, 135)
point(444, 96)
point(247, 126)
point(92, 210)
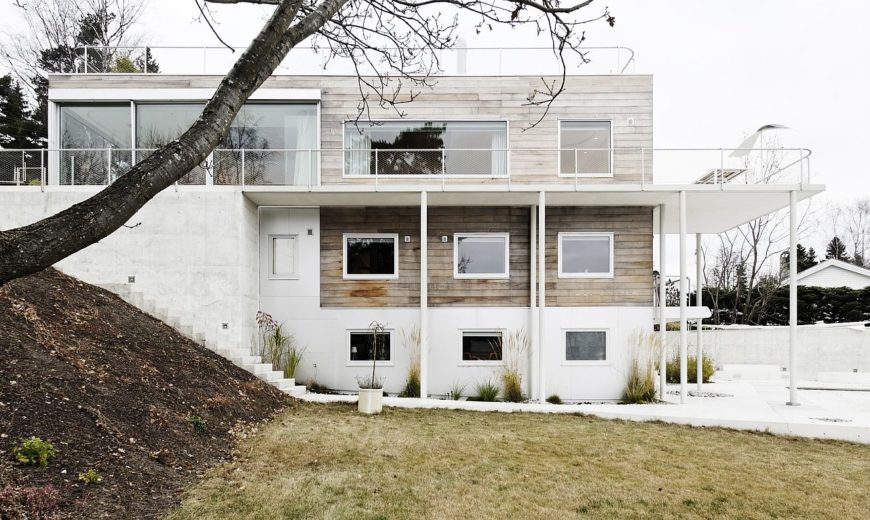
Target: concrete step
point(298, 390)
point(285, 385)
point(272, 376)
point(258, 368)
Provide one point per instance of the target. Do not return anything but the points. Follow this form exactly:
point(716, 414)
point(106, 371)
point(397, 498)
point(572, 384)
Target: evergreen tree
point(811, 259)
point(805, 260)
point(836, 250)
point(16, 125)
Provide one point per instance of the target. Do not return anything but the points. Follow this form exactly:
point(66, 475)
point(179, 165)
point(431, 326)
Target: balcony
point(311, 168)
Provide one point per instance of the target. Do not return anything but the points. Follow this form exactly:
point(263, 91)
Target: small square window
point(585, 255)
point(584, 148)
point(362, 346)
point(481, 346)
point(481, 255)
point(371, 257)
point(585, 345)
point(283, 256)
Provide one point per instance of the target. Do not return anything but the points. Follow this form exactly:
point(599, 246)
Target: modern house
point(834, 273)
point(461, 219)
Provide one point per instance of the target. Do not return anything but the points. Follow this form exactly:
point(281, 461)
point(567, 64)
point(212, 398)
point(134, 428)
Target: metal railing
point(304, 167)
point(305, 60)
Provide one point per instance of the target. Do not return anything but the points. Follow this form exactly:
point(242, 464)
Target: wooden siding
point(632, 253)
point(626, 100)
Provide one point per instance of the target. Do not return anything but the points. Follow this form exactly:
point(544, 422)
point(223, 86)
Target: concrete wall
point(192, 251)
point(829, 348)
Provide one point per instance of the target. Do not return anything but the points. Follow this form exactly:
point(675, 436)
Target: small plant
point(554, 399)
point(316, 388)
point(35, 182)
point(673, 369)
point(197, 422)
point(456, 391)
point(377, 331)
point(640, 386)
point(123, 64)
point(277, 344)
point(411, 341)
point(514, 355)
point(90, 476)
point(486, 391)
point(29, 502)
point(292, 360)
point(34, 451)
point(265, 324)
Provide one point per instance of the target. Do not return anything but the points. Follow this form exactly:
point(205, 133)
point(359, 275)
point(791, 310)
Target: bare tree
point(394, 47)
point(856, 222)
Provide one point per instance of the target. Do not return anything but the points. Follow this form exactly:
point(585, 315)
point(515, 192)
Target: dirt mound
point(113, 390)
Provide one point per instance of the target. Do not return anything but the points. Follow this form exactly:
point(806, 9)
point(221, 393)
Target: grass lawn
point(327, 461)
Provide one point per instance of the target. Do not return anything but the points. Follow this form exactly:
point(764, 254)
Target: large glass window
point(426, 148)
point(481, 255)
point(588, 255)
point(371, 257)
point(481, 346)
point(585, 345)
point(159, 124)
point(280, 143)
point(584, 148)
point(364, 343)
point(95, 141)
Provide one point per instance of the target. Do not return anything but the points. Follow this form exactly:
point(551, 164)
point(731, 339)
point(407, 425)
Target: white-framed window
point(482, 347)
point(585, 148)
point(361, 347)
point(283, 257)
point(481, 255)
point(371, 256)
point(585, 346)
point(585, 255)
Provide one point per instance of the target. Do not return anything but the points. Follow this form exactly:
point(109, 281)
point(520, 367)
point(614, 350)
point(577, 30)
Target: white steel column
point(424, 295)
point(534, 371)
point(663, 362)
point(684, 289)
point(792, 299)
point(699, 303)
point(542, 306)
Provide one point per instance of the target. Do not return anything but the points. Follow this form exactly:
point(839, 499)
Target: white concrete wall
point(827, 348)
point(834, 276)
point(194, 253)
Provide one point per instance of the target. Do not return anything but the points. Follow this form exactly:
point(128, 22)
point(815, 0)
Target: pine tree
point(836, 250)
point(17, 129)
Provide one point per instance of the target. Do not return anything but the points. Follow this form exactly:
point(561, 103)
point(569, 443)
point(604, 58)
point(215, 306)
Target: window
point(585, 345)
point(283, 256)
point(371, 256)
point(159, 124)
point(481, 346)
point(95, 141)
point(584, 148)
point(362, 345)
point(426, 148)
point(585, 255)
point(481, 255)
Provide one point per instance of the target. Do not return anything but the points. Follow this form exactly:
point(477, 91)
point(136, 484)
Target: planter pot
point(371, 400)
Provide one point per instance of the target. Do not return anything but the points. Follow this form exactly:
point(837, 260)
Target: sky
point(721, 69)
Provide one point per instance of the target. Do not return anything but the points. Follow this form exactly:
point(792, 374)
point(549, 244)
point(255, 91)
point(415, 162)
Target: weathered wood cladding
point(631, 284)
point(626, 100)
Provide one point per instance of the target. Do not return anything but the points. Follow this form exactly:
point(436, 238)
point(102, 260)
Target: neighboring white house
point(834, 273)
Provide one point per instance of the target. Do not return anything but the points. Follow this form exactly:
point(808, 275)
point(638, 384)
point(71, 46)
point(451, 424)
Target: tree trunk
point(34, 247)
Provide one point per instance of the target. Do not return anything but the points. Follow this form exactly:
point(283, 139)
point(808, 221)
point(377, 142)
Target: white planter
point(371, 400)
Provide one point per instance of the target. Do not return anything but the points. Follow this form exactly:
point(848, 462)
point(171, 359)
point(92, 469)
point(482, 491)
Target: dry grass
point(327, 461)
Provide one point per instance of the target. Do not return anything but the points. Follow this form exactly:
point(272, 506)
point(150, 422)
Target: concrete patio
point(743, 405)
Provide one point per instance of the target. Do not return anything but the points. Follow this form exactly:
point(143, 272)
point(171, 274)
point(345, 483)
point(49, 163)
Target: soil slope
point(114, 390)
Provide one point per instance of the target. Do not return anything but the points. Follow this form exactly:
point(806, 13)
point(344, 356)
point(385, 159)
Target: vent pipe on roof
point(461, 56)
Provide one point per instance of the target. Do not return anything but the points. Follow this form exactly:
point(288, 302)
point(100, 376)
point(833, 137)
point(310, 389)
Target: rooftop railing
point(313, 167)
point(305, 60)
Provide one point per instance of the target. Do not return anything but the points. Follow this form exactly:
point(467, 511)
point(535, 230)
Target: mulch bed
point(114, 390)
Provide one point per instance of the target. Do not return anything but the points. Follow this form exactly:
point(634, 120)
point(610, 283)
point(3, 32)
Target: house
point(459, 220)
point(834, 273)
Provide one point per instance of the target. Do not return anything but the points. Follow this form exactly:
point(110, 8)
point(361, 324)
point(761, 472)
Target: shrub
point(411, 341)
point(412, 384)
point(456, 391)
point(277, 344)
point(90, 476)
point(29, 502)
point(316, 388)
point(673, 369)
point(123, 64)
point(486, 391)
point(292, 360)
point(34, 451)
point(554, 399)
point(512, 383)
point(197, 422)
point(514, 354)
point(640, 387)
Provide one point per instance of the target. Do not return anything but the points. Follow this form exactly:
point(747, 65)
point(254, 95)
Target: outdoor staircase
point(241, 357)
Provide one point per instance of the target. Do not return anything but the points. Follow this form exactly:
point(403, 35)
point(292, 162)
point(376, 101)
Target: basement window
point(481, 255)
point(362, 346)
point(283, 257)
point(585, 255)
point(583, 346)
point(585, 149)
point(371, 256)
point(481, 346)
